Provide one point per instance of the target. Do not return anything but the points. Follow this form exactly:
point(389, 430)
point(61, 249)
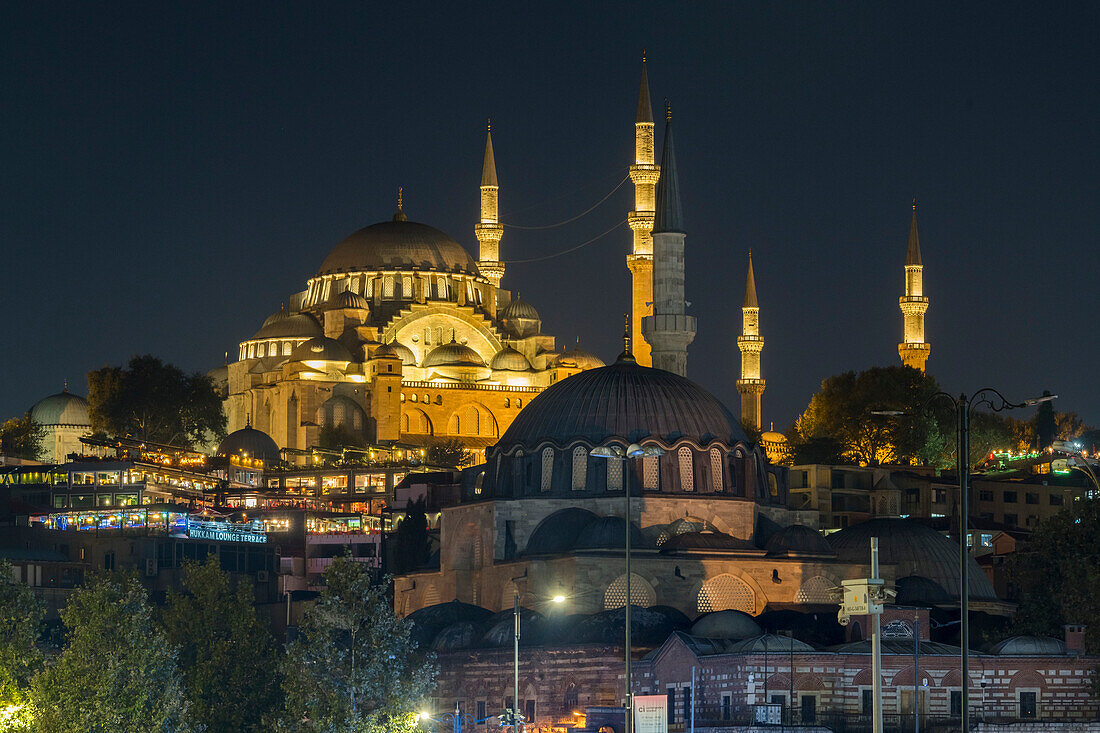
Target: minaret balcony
point(491, 232)
point(645, 174)
point(750, 385)
point(913, 305)
point(640, 220)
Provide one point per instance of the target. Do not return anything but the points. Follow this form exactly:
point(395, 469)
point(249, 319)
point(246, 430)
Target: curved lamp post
point(618, 453)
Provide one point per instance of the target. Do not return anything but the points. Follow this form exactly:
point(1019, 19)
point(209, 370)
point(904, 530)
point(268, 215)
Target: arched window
point(286, 348)
point(687, 473)
point(387, 286)
point(320, 417)
point(651, 474)
point(519, 403)
point(724, 592)
point(339, 414)
point(547, 467)
point(716, 470)
point(507, 403)
point(817, 589)
point(641, 592)
point(406, 286)
point(580, 467)
point(614, 475)
point(260, 350)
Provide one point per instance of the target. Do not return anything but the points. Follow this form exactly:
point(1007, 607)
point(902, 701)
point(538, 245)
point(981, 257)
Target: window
point(716, 470)
point(580, 467)
point(614, 475)
point(1030, 498)
point(939, 496)
point(641, 592)
point(912, 496)
point(1055, 500)
point(727, 705)
point(1009, 497)
point(650, 473)
point(547, 467)
point(687, 474)
point(1012, 519)
point(985, 496)
point(670, 705)
point(956, 702)
point(481, 709)
point(60, 501)
point(530, 711)
point(1028, 704)
point(724, 592)
point(686, 693)
point(809, 709)
point(868, 706)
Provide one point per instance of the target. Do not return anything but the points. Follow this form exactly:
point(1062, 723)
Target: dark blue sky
point(171, 172)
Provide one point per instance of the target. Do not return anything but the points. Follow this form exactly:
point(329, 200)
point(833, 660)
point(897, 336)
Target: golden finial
point(400, 196)
point(399, 215)
point(489, 125)
point(643, 55)
point(626, 333)
point(668, 111)
point(65, 388)
point(914, 203)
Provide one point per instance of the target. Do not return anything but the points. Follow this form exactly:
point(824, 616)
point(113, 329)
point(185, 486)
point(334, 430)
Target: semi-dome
point(798, 539)
point(347, 299)
point(578, 358)
point(558, 532)
point(398, 245)
point(285, 324)
point(707, 541)
point(62, 408)
point(1028, 646)
point(915, 590)
point(728, 624)
point(914, 549)
point(453, 354)
point(320, 348)
point(251, 443)
point(606, 533)
point(624, 401)
point(509, 360)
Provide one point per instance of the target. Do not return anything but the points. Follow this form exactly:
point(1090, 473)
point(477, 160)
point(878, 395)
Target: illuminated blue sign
point(226, 531)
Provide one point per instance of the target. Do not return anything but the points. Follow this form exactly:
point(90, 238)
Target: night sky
point(172, 172)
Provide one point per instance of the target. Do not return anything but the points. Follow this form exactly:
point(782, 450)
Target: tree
point(152, 401)
point(335, 437)
point(450, 453)
point(411, 546)
point(226, 654)
point(22, 437)
point(353, 667)
point(20, 623)
point(117, 671)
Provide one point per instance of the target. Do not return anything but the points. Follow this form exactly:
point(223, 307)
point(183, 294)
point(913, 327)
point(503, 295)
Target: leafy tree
point(353, 667)
point(817, 450)
point(22, 437)
point(335, 437)
point(450, 453)
point(226, 653)
point(156, 402)
point(411, 546)
point(117, 672)
point(20, 622)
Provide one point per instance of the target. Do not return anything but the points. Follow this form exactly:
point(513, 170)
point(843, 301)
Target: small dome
point(557, 533)
point(649, 626)
point(770, 643)
point(459, 635)
point(429, 621)
point(398, 245)
point(519, 308)
point(289, 325)
point(509, 360)
point(729, 624)
point(453, 354)
point(1028, 646)
point(249, 442)
point(578, 358)
point(606, 533)
point(798, 539)
point(320, 348)
point(771, 436)
point(62, 408)
point(914, 590)
point(398, 350)
point(347, 299)
point(520, 319)
point(708, 540)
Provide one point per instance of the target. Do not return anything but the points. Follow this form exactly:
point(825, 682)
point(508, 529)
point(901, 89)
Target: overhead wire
point(572, 219)
point(615, 226)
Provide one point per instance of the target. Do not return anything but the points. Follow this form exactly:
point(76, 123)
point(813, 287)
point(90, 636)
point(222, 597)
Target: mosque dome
point(914, 549)
point(398, 350)
point(347, 299)
point(62, 408)
point(519, 308)
point(914, 590)
point(248, 441)
point(578, 358)
point(728, 624)
point(798, 539)
point(453, 354)
point(519, 318)
point(285, 324)
point(320, 348)
point(398, 245)
point(624, 401)
point(1028, 646)
point(509, 360)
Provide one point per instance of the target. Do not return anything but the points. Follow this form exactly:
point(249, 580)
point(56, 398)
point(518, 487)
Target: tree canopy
point(226, 653)
point(20, 623)
point(353, 667)
point(22, 437)
point(451, 453)
point(156, 402)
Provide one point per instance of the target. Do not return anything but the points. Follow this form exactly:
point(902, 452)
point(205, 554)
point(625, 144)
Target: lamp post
point(617, 453)
point(1077, 460)
point(455, 719)
point(515, 712)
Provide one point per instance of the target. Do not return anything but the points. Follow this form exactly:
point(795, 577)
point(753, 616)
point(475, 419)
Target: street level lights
point(456, 719)
point(515, 715)
point(617, 453)
point(964, 407)
point(1078, 460)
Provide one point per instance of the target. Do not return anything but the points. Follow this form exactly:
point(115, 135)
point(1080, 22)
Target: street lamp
point(456, 719)
point(617, 453)
point(515, 714)
point(1077, 460)
point(964, 407)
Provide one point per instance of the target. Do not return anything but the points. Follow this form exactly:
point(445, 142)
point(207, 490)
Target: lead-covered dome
point(624, 401)
point(320, 348)
point(578, 358)
point(509, 360)
point(453, 354)
point(398, 245)
point(284, 324)
point(62, 408)
point(248, 442)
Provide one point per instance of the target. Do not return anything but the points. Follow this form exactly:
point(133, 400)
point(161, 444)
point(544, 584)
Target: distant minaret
point(644, 174)
point(489, 229)
point(914, 349)
point(751, 343)
point(668, 330)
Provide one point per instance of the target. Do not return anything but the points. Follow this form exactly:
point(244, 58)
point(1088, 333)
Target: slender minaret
point(914, 349)
point(644, 174)
point(751, 343)
point(488, 228)
point(669, 330)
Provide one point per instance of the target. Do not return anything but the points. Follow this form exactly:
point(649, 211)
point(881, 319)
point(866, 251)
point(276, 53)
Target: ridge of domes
point(320, 348)
point(626, 401)
point(453, 354)
point(509, 360)
point(393, 245)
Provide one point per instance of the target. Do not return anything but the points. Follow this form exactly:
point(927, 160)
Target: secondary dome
point(249, 442)
point(453, 354)
point(62, 408)
point(396, 349)
point(509, 360)
point(728, 624)
point(519, 308)
point(289, 325)
point(347, 299)
point(578, 358)
point(798, 539)
point(398, 245)
point(624, 401)
point(320, 348)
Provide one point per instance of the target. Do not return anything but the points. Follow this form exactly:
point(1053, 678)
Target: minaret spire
point(489, 229)
point(644, 174)
point(913, 349)
point(669, 330)
point(751, 343)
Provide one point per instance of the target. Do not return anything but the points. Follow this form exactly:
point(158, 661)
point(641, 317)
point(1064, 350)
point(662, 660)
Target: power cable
point(578, 216)
point(615, 226)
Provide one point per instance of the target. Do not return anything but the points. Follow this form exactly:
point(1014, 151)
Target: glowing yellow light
point(558, 599)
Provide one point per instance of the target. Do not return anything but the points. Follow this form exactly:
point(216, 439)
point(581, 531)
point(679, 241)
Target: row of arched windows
point(720, 593)
point(259, 350)
point(651, 475)
point(398, 287)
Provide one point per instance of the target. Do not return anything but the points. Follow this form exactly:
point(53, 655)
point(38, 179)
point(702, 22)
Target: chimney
point(1075, 639)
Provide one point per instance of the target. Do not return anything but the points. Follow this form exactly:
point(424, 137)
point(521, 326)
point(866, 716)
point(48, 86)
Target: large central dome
point(398, 245)
point(624, 401)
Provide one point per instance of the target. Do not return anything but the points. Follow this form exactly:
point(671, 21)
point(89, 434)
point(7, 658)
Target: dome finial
point(489, 124)
point(626, 355)
point(914, 203)
point(668, 111)
point(399, 215)
point(248, 420)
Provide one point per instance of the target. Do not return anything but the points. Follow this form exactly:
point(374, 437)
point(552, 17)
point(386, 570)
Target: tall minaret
point(669, 330)
point(914, 349)
point(751, 343)
point(640, 260)
point(488, 228)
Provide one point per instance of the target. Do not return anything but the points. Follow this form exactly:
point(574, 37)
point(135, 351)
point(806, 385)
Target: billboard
point(650, 714)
